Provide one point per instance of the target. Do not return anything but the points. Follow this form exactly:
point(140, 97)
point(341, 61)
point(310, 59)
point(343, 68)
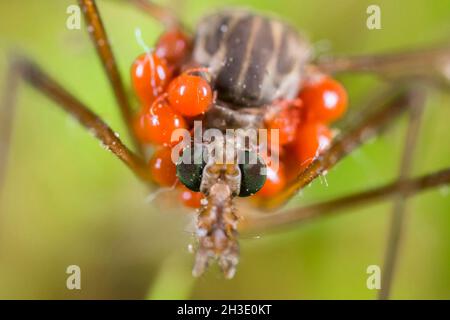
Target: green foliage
point(66, 201)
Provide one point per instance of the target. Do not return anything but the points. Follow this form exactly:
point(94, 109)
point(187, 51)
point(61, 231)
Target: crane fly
point(242, 71)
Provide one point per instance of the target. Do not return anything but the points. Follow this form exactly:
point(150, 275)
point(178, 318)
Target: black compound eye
point(190, 168)
point(253, 174)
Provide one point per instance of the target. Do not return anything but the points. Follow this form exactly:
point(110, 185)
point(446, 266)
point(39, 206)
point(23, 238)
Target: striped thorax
point(253, 59)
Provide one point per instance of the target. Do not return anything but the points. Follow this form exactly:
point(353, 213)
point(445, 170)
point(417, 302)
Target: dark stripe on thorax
point(261, 52)
point(235, 46)
point(214, 39)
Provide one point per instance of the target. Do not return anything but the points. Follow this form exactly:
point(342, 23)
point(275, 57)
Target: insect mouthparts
point(217, 232)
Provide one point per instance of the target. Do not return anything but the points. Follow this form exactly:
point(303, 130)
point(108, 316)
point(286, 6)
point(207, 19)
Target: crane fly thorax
point(253, 59)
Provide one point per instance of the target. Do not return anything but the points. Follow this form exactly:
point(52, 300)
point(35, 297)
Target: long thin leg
point(158, 12)
point(430, 64)
point(6, 116)
point(389, 105)
point(261, 223)
point(33, 75)
point(397, 218)
point(101, 43)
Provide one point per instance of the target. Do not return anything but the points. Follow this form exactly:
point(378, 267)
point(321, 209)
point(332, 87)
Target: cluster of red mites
point(172, 99)
point(303, 129)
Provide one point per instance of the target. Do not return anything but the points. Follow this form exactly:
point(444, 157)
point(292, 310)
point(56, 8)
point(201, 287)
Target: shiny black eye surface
point(253, 174)
point(190, 168)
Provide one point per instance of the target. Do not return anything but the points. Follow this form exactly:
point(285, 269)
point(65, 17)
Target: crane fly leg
point(398, 213)
point(158, 12)
point(388, 105)
point(430, 64)
point(100, 40)
point(399, 191)
point(22, 68)
point(257, 223)
point(7, 111)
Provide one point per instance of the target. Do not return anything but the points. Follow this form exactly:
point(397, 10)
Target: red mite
point(241, 79)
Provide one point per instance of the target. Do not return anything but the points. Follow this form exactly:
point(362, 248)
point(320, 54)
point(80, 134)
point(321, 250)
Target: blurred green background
point(67, 201)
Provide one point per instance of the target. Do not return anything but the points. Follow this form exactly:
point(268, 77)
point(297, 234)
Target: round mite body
point(253, 59)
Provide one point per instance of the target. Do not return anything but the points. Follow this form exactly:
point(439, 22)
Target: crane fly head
point(201, 169)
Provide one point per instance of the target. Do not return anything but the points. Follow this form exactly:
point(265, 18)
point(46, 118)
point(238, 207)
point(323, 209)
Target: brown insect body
point(251, 61)
point(217, 220)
